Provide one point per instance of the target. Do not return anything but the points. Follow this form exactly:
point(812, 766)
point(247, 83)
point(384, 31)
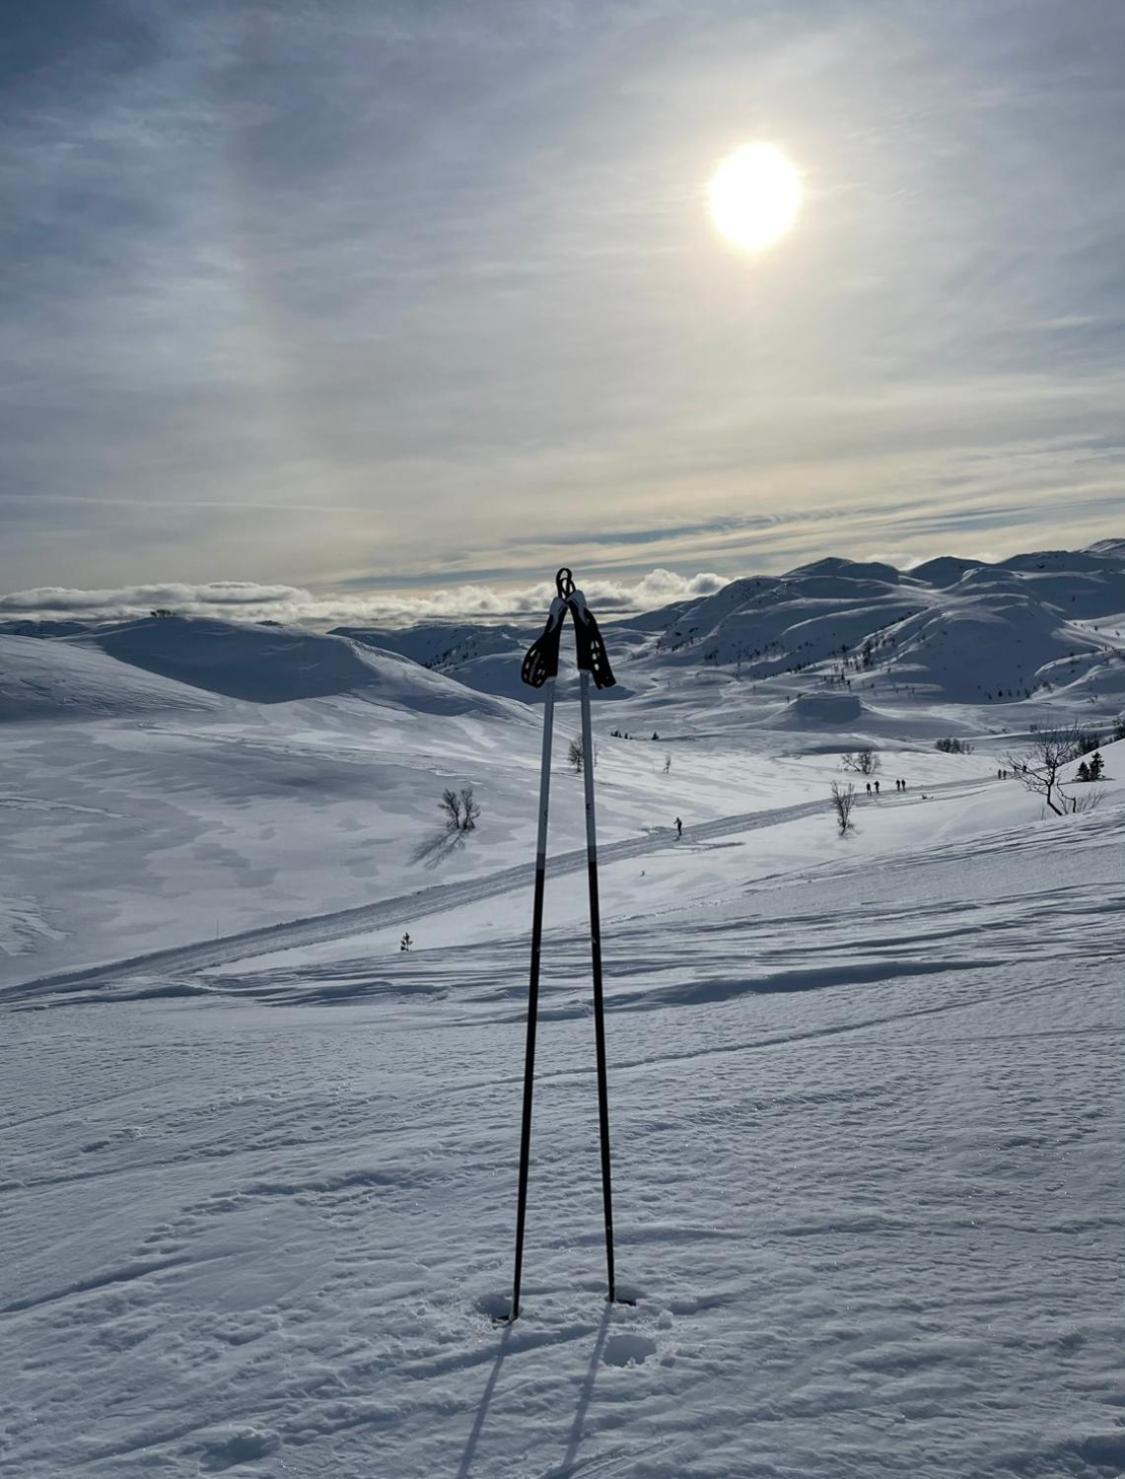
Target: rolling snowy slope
point(258, 1178)
point(53, 680)
point(867, 1121)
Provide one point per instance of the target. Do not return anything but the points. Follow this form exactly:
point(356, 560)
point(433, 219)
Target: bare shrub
point(1040, 770)
point(843, 799)
point(470, 811)
point(451, 806)
point(461, 811)
point(863, 762)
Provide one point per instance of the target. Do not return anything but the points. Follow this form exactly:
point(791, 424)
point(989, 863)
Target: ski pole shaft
point(533, 986)
point(596, 961)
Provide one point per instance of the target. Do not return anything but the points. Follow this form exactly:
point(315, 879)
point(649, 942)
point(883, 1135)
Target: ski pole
point(596, 961)
point(540, 668)
point(533, 987)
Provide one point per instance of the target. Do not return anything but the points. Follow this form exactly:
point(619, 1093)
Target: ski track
point(402, 909)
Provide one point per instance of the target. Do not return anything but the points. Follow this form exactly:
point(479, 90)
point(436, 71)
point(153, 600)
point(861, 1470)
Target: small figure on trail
point(406, 942)
point(869, 788)
point(876, 788)
point(679, 828)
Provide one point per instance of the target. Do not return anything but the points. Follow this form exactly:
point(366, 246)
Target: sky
point(416, 301)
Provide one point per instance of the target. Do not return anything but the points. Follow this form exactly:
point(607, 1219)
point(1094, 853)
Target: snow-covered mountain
point(1031, 629)
point(950, 630)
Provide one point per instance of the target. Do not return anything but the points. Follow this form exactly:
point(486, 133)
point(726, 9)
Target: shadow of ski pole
point(470, 1449)
point(574, 1438)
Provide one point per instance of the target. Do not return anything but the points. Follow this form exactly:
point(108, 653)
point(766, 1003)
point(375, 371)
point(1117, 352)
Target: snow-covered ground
point(258, 1180)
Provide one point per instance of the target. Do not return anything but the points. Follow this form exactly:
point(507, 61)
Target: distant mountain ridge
point(949, 630)
point(953, 629)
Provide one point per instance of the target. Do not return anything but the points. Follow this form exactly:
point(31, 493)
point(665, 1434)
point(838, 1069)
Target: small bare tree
point(1041, 768)
point(667, 764)
point(843, 799)
point(863, 762)
point(461, 811)
point(451, 806)
point(575, 755)
point(470, 811)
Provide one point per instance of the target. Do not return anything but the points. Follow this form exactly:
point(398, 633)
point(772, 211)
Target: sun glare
point(755, 195)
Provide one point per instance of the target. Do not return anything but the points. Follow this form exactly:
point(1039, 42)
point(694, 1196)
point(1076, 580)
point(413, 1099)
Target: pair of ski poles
point(540, 669)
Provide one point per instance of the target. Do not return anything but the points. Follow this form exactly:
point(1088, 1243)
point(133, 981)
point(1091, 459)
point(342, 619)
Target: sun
point(754, 196)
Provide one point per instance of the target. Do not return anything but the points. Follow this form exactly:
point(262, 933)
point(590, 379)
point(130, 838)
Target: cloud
point(294, 289)
point(248, 601)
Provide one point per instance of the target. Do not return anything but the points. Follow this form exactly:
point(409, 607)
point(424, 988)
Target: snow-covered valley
point(257, 1193)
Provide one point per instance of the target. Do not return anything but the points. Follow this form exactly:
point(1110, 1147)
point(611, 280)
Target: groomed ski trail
point(316, 929)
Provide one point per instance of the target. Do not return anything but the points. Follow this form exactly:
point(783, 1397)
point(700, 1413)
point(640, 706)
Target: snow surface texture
point(258, 1181)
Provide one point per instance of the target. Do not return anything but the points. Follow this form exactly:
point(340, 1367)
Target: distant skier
point(679, 828)
point(405, 943)
point(876, 788)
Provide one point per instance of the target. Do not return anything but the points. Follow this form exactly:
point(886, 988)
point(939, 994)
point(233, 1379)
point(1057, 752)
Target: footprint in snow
point(230, 1446)
point(628, 1350)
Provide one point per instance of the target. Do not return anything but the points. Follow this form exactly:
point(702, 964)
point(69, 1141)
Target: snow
point(821, 710)
point(271, 664)
point(258, 1182)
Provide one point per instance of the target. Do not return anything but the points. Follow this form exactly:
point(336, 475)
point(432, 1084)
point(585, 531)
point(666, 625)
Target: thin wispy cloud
point(311, 294)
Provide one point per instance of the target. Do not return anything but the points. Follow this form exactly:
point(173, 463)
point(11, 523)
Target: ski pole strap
point(542, 659)
point(592, 656)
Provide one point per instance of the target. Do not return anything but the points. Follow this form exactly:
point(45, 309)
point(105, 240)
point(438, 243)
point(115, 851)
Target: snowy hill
point(1113, 549)
point(483, 658)
point(945, 571)
point(269, 665)
point(950, 630)
point(864, 1100)
point(258, 1187)
point(50, 679)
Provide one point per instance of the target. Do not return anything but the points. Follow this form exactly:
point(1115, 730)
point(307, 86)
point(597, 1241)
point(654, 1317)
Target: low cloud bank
point(248, 601)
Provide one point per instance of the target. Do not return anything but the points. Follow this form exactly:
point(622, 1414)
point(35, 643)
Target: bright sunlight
point(754, 196)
